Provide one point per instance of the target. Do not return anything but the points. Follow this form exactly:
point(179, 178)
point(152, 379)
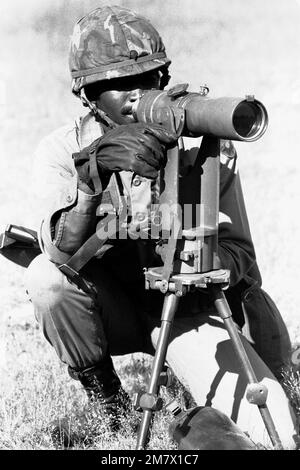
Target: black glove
point(140, 148)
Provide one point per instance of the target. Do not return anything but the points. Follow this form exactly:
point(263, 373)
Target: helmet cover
point(112, 42)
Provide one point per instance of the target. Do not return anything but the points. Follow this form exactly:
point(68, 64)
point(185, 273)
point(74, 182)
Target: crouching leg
point(79, 326)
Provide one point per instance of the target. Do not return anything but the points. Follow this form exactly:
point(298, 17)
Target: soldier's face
point(120, 94)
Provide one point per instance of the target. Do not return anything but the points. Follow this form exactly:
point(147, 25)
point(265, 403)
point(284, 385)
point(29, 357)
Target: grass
point(236, 48)
point(37, 390)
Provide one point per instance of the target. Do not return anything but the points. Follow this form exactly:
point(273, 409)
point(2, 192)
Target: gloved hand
point(140, 148)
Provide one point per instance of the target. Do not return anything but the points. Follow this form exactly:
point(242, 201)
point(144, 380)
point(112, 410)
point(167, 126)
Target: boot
point(108, 404)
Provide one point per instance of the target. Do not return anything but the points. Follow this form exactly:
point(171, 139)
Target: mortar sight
point(194, 115)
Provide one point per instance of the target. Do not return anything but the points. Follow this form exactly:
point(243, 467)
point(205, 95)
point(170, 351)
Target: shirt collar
point(88, 130)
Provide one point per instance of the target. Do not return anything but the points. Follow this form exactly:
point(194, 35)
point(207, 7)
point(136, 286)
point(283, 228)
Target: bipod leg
point(257, 392)
point(149, 400)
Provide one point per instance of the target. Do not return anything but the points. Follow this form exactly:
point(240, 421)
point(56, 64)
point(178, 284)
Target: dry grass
point(236, 48)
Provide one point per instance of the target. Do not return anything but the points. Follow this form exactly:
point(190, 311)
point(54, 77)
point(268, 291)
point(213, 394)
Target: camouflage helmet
point(111, 42)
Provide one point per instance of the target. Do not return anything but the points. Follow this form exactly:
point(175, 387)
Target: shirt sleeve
point(236, 249)
point(68, 215)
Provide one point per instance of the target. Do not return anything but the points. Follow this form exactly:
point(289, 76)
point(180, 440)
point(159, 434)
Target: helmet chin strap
point(98, 113)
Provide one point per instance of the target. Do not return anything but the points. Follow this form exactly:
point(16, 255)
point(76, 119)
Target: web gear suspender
point(106, 228)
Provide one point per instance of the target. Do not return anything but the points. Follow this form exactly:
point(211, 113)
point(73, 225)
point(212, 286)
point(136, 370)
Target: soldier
point(115, 56)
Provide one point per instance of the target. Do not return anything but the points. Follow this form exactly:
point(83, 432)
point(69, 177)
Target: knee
point(44, 282)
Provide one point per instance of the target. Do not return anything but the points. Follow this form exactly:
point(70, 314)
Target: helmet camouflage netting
point(113, 42)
